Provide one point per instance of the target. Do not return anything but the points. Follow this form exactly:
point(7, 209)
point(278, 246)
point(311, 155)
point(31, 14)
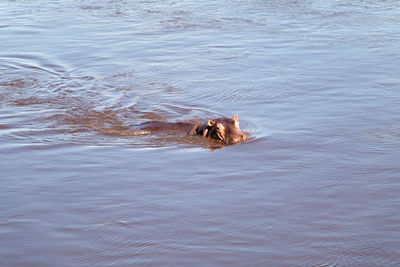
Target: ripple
point(33, 62)
point(50, 107)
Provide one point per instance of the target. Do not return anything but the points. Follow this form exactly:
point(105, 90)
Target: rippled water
point(315, 83)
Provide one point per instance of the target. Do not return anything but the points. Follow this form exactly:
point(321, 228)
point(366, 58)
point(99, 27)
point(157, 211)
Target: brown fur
point(225, 130)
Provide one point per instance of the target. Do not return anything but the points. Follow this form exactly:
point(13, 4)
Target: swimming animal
point(225, 130)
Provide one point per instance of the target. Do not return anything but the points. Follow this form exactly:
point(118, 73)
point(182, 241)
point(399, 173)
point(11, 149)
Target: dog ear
point(210, 123)
point(235, 119)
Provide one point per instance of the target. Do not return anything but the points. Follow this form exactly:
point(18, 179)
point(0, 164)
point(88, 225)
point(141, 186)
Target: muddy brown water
point(316, 85)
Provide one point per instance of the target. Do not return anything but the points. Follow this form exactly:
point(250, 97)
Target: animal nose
point(239, 138)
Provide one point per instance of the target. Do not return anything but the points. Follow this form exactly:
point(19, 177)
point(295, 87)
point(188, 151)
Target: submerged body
point(225, 130)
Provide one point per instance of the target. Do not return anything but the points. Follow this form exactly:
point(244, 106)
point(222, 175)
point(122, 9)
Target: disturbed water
point(315, 83)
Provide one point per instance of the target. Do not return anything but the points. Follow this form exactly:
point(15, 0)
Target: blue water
point(315, 84)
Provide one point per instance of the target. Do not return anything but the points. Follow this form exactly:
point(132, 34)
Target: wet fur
point(225, 130)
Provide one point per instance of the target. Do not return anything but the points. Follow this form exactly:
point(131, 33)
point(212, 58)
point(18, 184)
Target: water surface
point(315, 83)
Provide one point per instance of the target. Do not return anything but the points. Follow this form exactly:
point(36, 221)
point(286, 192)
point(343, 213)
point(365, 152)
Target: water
point(315, 84)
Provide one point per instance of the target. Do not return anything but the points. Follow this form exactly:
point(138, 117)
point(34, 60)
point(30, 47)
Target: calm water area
point(316, 85)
